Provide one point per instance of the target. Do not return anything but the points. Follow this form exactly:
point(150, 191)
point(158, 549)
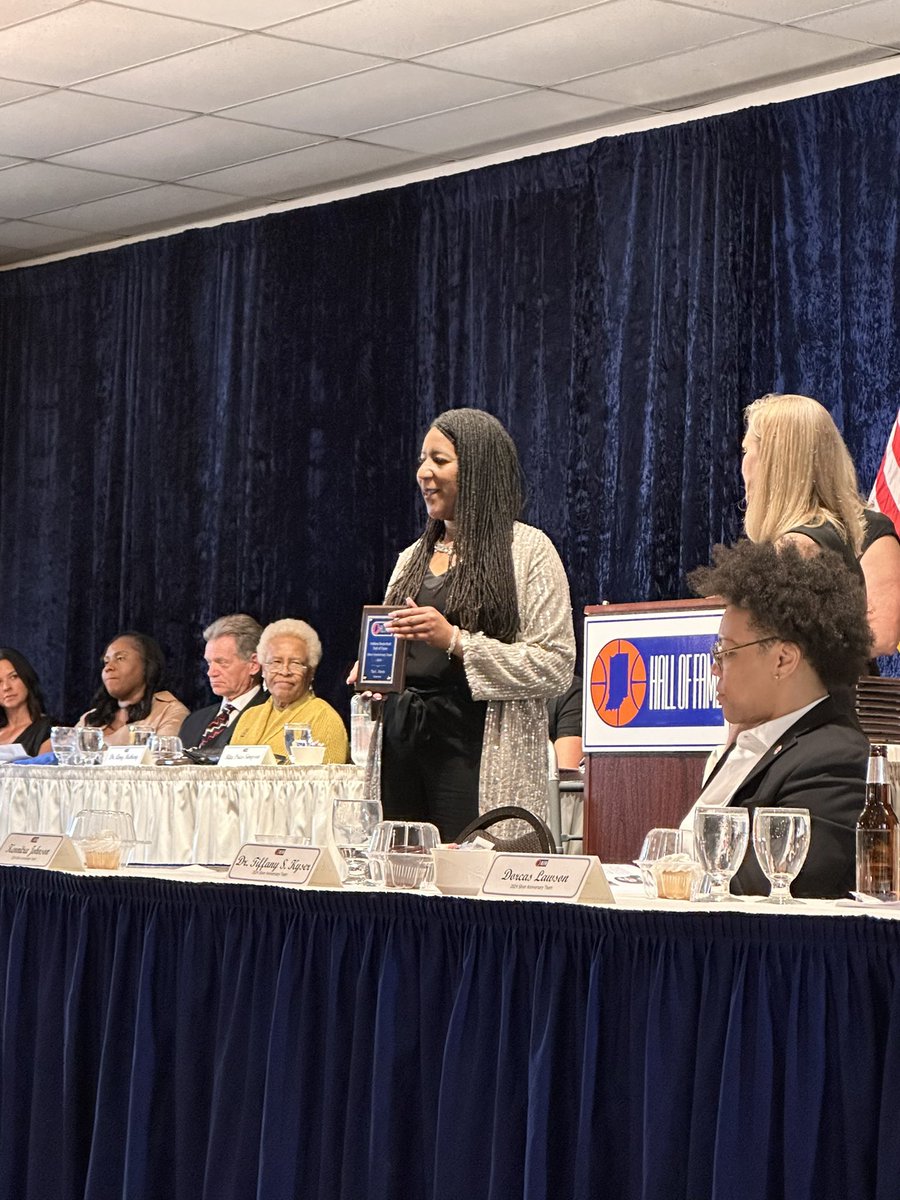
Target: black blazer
point(819, 764)
point(195, 723)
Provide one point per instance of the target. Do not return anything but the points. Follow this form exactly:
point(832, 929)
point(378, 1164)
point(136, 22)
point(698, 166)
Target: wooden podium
point(626, 793)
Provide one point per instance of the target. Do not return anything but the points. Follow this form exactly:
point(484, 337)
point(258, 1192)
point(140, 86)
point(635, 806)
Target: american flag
point(885, 494)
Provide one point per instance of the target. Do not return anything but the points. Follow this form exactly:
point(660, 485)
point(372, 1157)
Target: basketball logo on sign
point(618, 682)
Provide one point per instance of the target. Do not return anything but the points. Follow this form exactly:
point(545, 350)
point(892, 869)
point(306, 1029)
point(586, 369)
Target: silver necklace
point(443, 547)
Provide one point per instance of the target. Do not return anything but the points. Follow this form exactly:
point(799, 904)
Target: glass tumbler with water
point(352, 824)
point(296, 734)
point(362, 726)
point(720, 839)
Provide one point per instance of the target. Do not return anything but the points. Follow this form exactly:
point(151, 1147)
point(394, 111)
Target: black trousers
point(431, 758)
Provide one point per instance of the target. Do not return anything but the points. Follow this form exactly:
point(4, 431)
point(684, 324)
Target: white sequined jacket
point(518, 678)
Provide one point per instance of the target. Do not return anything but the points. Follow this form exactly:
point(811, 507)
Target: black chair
point(536, 840)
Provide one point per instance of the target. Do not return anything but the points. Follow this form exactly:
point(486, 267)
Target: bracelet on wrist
point(454, 638)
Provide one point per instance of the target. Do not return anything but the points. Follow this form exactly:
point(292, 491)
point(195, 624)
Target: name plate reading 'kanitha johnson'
point(295, 866)
point(50, 850)
point(573, 877)
point(382, 655)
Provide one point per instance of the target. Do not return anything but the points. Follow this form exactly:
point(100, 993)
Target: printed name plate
point(574, 877)
point(40, 850)
point(127, 756)
point(247, 756)
point(294, 865)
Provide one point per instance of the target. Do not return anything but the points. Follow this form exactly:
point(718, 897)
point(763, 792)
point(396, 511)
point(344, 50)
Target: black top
point(877, 526)
point(828, 538)
point(35, 735)
point(426, 666)
point(564, 712)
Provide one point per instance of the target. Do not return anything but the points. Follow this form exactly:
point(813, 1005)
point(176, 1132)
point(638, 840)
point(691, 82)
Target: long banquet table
point(181, 814)
point(166, 1039)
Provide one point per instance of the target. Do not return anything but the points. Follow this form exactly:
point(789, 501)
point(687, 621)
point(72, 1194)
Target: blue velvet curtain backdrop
point(229, 418)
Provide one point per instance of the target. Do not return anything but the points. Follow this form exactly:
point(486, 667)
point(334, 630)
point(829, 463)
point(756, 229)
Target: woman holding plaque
point(488, 622)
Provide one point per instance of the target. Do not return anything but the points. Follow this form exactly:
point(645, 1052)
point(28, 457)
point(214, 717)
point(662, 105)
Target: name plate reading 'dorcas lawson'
point(40, 850)
point(127, 756)
point(296, 866)
point(573, 877)
point(247, 756)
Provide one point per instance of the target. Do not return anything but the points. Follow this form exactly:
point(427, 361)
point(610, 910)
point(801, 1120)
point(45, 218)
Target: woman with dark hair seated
point(22, 717)
point(132, 675)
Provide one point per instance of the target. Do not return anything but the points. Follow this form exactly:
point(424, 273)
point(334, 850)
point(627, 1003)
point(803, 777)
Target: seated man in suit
point(234, 675)
point(794, 631)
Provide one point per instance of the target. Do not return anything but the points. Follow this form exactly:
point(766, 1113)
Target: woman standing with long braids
point(489, 622)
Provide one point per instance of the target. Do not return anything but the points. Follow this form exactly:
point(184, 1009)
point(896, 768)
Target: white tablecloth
point(182, 814)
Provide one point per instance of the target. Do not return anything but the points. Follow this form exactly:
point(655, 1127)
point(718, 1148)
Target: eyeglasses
point(285, 666)
point(719, 651)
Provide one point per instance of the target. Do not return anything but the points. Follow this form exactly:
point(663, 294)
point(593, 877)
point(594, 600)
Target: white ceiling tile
point(91, 39)
point(877, 23)
point(24, 235)
point(301, 171)
point(767, 10)
point(241, 14)
point(201, 144)
point(58, 121)
point(380, 97)
point(613, 35)
point(13, 11)
point(406, 28)
point(38, 187)
point(753, 60)
point(494, 122)
point(246, 68)
point(11, 90)
point(153, 207)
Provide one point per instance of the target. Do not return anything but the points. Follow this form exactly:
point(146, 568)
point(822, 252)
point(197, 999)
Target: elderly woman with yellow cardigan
point(289, 652)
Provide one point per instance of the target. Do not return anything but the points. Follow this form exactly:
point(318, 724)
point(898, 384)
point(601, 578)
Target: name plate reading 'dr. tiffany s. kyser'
point(295, 866)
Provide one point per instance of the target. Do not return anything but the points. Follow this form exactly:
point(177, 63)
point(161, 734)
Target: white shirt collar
point(240, 702)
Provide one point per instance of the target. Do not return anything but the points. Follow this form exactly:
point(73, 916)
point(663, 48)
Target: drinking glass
point(720, 839)
point(362, 726)
point(400, 853)
point(139, 735)
point(165, 747)
point(64, 744)
point(91, 745)
point(296, 734)
point(103, 837)
point(352, 823)
point(781, 841)
point(659, 843)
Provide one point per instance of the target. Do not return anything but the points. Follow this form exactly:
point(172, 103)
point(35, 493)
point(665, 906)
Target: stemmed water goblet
point(720, 840)
point(352, 824)
point(781, 841)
